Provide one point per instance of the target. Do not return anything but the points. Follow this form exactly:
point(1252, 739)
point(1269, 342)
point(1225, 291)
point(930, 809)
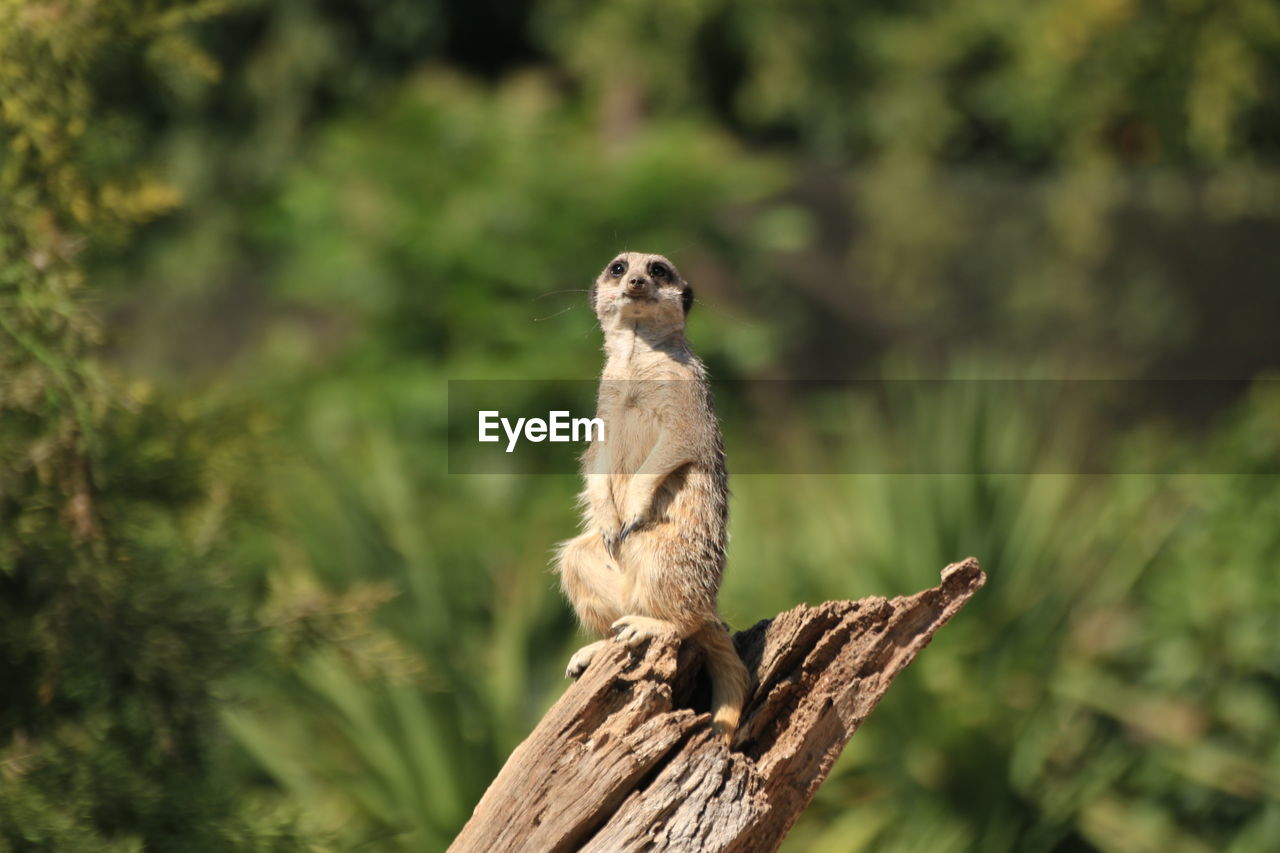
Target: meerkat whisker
point(553, 316)
point(558, 292)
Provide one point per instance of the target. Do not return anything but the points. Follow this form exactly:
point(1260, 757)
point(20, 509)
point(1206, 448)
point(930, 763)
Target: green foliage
point(1029, 83)
point(239, 592)
point(1108, 688)
point(118, 625)
point(1004, 153)
point(439, 222)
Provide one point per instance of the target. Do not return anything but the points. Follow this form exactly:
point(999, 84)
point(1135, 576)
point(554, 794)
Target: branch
point(626, 759)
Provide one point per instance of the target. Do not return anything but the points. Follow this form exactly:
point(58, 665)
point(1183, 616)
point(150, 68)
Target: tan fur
point(651, 556)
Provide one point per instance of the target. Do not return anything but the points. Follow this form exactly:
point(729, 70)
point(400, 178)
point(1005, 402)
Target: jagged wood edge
point(620, 762)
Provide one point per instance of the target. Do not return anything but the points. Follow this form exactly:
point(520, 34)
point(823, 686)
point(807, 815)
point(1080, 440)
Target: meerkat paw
point(582, 659)
point(611, 536)
point(611, 542)
point(632, 631)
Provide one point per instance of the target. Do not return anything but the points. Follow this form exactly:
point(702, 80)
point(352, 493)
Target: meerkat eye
point(660, 271)
point(617, 268)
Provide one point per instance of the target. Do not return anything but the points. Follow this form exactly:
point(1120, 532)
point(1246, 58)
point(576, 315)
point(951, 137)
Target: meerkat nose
point(636, 285)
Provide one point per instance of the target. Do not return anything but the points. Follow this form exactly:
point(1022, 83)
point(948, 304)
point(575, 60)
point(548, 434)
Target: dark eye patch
point(617, 268)
point(659, 271)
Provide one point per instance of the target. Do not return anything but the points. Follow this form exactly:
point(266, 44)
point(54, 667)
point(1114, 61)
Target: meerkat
point(655, 503)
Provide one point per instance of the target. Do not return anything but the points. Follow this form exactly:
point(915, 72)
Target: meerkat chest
point(632, 414)
point(642, 393)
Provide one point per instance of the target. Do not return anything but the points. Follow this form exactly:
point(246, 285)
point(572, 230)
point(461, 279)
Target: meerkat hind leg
point(633, 629)
point(592, 581)
point(582, 659)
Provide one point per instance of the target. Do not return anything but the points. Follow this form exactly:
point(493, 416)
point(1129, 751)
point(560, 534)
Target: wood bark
point(626, 759)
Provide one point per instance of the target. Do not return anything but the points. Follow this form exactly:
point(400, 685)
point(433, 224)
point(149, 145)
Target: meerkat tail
point(728, 678)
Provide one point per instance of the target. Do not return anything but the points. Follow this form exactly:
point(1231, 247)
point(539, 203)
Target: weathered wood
point(626, 759)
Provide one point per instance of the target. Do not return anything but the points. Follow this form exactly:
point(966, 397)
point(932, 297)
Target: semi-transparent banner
point(866, 426)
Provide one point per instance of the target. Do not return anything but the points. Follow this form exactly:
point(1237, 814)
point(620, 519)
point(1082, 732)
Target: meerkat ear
point(686, 299)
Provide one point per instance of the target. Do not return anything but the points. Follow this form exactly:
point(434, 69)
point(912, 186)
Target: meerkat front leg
point(599, 499)
point(604, 512)
point(668, 454)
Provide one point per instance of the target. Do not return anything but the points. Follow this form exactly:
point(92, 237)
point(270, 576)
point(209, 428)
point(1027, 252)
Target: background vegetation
point(244, 245)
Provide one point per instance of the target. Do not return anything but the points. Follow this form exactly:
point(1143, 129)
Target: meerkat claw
point(582, 659)
point(628, 529)
point(633, 631)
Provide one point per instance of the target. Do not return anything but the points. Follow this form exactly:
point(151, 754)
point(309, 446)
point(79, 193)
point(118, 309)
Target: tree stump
point(626, 759)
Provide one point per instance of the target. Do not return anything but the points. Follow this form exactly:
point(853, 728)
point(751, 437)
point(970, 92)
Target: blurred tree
point(1020, 171)
point(116, 623)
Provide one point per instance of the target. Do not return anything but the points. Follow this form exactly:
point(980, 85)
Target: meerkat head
point(641, 288)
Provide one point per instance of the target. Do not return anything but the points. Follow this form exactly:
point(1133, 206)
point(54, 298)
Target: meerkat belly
point(673, 564)
point(689, 501)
